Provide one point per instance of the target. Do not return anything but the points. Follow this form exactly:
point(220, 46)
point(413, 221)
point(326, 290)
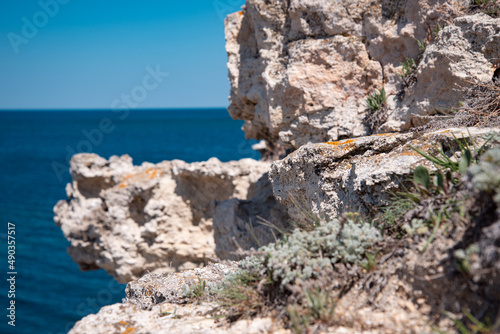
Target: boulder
point(130, 220)
point(168, 318)
point(300, 71)
point(465, 52)
point(355, 174)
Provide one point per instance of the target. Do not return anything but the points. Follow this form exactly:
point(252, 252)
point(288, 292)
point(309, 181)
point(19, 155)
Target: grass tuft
point(377, 100)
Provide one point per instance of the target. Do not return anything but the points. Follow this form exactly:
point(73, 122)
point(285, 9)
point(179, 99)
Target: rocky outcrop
point(159, 303)
point(466, 51)
point(167, 318)
point(130, 220)
point(300, 71)
point(155, 289)
point(355, 174)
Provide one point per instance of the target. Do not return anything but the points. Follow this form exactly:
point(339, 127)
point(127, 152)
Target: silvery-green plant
point(304, 254)
point(486, 174)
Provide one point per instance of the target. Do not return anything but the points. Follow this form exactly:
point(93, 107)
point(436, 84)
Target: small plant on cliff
point(408, 68)
point(469, 155)
point(421, 45)
point(486, 175)
point(303, 255)
point(474, 325)
point(317, 309)
point(196, 290)
point(240, 296)
point(377, 100)
point(439, 196)
point(437, 28)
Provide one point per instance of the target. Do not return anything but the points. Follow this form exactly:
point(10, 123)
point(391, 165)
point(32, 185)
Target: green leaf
point(465, 162)
point(472, 139)
point(421, 176)
point(460, 144)
point(432, 158)
point(414, 197)
point(440, 181)
point(483, 147)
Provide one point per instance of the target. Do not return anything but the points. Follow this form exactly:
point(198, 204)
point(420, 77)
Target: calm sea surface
point(51, 293)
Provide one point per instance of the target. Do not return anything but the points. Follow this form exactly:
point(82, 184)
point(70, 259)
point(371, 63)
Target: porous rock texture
point(355, 174)
point(130, 219)
point(466, 51)
point(166, 318)
point(153, 289)
point(156, 303)
point(300, 71)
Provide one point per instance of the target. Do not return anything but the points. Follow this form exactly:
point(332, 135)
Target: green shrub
point(408, 68)
point(421, 45)
point(486, 175)
point(437, 28)
point(377, 100)
point(318, 308)
point(196, 290)
point(303, 255)
point(438, 196)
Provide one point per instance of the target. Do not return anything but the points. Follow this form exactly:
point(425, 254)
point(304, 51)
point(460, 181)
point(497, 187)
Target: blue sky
point(86, 54)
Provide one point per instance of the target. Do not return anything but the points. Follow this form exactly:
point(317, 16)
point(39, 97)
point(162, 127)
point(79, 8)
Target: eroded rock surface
point(155, 289)
point(354, 174)
point(166, 318)
point(466, 51)
point(300, 71)
point(130, 219)
point(241, 225)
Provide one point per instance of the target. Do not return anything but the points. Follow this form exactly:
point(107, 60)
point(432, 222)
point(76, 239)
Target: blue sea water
point(51, 293)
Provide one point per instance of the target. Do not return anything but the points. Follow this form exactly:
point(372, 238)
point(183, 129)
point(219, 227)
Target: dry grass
point(489, 7)
point(481, 108)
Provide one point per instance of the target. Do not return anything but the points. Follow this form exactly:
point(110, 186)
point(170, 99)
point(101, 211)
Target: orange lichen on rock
point(345, 147)
point(150, 173)
point(340, 142)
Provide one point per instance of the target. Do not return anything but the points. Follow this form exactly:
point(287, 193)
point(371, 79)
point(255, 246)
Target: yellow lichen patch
point(445, 131)
point(123, 323)
point(384, 134)
point(150, 174)
point(341, 142)
point(409, 153)
point(130, 330)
